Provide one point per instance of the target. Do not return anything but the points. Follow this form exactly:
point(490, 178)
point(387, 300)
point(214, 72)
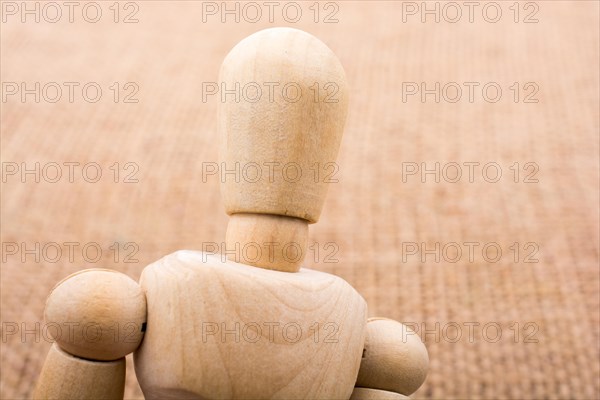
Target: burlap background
point(370, 214)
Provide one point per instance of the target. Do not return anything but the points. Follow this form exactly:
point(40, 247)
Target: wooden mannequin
point(254, 324)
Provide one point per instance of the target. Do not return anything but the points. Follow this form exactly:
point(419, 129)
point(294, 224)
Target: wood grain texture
point(67, 377)
point(225, 330)
point(267, 241)
point(394, 359)
point(100, 314)
point(287, 134)
point(171, 132)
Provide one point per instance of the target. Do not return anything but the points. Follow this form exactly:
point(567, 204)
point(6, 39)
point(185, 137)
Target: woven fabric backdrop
point(540, 132)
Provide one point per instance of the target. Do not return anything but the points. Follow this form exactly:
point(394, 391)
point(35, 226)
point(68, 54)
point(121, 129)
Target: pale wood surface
point(267, 241)
point(291, 335)
point(97, 314)
point(297, 130)
point(360, 393)
point(67, 377)
point(394, 359)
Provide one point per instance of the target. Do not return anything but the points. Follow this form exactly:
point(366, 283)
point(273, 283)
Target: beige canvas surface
point(546, 310)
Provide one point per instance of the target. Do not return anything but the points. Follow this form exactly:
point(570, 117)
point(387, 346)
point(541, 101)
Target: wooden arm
point(394, 363)
point(67, 377)
point(100, 316)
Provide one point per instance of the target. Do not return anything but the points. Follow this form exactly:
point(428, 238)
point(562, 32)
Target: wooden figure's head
point(282, 111)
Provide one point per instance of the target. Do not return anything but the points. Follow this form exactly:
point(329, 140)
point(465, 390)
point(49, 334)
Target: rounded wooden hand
point(96, 317)
point(394, 363)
